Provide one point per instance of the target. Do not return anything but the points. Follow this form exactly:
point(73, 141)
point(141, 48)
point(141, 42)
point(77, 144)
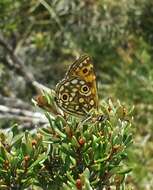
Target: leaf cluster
point(68, 154)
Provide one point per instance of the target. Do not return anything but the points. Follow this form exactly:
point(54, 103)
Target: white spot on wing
point(70, 99)
point(74, 89)
point(92, 102)
point(80, 65)
point(82, 82)
point(67, 84)
point(76, 107)
point(81, 100)
point(75, 81)
point(72, 94)
point(61, 88)
point(85, 105)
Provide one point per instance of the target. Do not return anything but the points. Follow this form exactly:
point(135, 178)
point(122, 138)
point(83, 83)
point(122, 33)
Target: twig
point(14, 102)
point(41, 87)
point(22, 115)
point(13, 62)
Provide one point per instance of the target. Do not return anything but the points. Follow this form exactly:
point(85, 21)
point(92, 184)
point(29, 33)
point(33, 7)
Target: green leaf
point(39, 161)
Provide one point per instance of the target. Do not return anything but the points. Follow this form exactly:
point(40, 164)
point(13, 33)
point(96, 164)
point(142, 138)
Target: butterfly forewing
point(83, 68)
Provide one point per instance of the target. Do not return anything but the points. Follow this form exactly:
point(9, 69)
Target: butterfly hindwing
point(75, 96)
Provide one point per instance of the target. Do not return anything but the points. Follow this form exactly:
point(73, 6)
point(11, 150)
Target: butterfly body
point(76, 94)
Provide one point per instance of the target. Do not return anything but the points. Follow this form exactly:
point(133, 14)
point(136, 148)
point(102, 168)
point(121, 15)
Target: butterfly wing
point(75, 96)
point(83, 69)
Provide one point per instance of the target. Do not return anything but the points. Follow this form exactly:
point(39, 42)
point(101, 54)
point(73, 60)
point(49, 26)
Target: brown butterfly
point(77, 94)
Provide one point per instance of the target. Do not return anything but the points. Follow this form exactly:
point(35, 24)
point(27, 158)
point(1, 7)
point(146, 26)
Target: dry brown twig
point(18, 107)
point(13, 62)
point(22, 115)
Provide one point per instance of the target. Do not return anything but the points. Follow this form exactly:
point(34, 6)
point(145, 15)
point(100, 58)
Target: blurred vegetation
point(67, 154)
point(47, 36)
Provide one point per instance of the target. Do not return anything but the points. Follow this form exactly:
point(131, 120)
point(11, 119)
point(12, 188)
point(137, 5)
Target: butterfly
point(77, 93)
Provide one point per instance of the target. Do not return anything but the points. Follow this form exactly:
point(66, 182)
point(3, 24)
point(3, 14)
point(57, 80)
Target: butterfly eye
point(65, 97)
point(85, 89)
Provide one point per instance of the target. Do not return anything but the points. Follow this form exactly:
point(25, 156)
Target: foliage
point(68, 154)
point(48, 35)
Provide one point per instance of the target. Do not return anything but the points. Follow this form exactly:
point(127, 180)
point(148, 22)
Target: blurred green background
point(39, 39)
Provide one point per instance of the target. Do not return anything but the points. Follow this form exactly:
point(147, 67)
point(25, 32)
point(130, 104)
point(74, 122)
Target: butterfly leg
point(83, 121)
point(93, 119)
point(102, 118)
